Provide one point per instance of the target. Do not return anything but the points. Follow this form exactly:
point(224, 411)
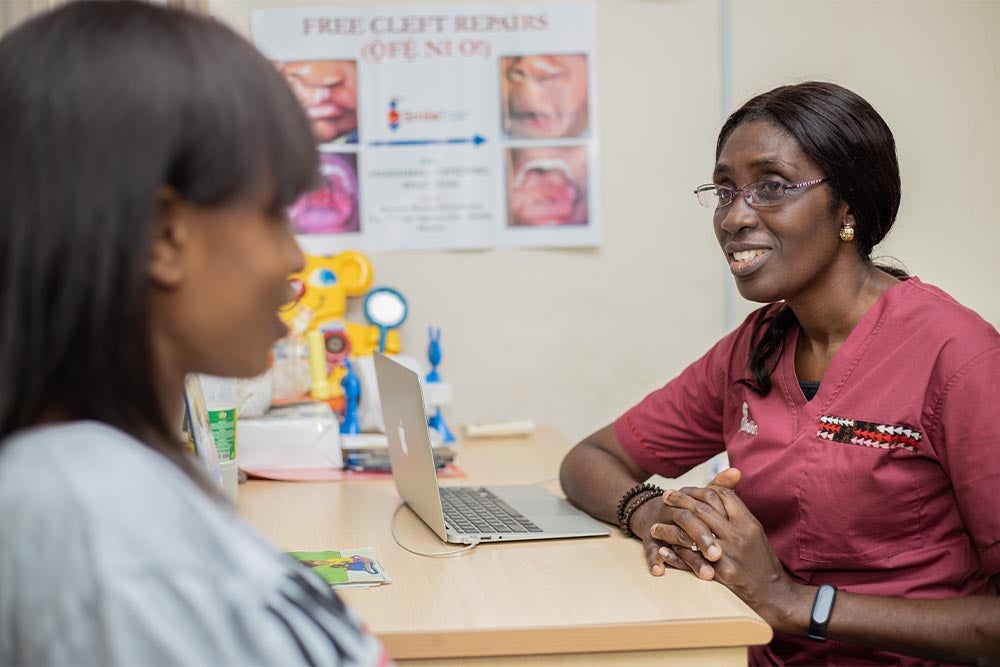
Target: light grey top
point(110, 554)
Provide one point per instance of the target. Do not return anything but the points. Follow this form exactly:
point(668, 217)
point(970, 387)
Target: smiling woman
point(791, 144)
point(155, 247)
point(856, 407)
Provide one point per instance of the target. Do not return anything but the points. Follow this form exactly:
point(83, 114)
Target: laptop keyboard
point(477, 510)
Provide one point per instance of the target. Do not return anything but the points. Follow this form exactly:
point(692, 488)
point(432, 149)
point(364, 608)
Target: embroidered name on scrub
point(747, 425)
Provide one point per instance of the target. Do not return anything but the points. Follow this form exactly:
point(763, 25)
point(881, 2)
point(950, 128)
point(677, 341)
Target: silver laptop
point(463, 514)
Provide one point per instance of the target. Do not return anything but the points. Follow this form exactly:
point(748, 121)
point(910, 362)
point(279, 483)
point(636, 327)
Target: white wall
point(572, 338)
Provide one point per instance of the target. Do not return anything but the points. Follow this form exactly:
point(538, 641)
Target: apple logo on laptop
point(402, 439)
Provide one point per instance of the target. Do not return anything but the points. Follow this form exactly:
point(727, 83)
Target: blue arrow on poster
point(474, 139)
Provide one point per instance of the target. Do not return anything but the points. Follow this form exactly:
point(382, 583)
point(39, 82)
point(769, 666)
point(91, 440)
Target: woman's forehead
point(760, 144)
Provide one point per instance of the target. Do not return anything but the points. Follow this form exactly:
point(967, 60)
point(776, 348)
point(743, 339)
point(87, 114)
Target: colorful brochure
point(345, 568)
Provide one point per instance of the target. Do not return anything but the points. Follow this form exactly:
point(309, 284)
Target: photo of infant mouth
point(547, 186)
point(328, 91)
point(333, 207)
point(544, 96)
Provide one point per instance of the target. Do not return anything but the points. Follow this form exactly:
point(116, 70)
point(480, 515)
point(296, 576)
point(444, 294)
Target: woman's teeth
point(747, 255)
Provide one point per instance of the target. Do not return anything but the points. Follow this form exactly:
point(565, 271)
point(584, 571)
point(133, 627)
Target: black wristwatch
point(822, 608)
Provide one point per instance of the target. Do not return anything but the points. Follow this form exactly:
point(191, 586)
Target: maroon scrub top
point(886, 483)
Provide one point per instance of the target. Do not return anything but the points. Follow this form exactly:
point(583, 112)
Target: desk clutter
point(369, 452)
point(316, 414)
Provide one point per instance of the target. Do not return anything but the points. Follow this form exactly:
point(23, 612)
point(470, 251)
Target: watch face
point(820, 615)
point(823, 604)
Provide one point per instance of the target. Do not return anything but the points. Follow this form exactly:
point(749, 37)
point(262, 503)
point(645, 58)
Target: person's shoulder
point(91, 474)
point(923, 307)
point(77, 457)
point(932, 324)
point(101, 491)
point(64, 441)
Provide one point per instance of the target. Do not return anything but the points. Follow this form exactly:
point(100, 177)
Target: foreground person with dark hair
point(146, 158)
point(859, 410)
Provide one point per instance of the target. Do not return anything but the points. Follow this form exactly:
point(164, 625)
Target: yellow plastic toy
point(324, 286)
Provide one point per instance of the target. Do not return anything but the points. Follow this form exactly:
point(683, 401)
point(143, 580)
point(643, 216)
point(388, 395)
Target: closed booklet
point(345, 568)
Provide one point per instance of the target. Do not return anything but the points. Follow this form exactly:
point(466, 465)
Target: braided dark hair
point(852, 145)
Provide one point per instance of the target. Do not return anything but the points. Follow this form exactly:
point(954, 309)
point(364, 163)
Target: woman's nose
point(738, 215)
point(295, 257)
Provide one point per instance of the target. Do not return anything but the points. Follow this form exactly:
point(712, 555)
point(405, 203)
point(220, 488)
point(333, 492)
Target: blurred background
point(572, 338)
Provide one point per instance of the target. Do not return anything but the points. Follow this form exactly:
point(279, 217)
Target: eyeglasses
point(758, 195)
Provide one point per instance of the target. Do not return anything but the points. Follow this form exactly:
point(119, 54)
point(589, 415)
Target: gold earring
point(847, 233)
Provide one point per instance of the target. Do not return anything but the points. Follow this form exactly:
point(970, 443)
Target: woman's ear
point(170, 240)
point(849, 221)
point(844, 216)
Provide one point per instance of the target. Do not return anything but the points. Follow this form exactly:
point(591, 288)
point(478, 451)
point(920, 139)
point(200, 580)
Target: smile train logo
point(393, 115)
point(747, 425)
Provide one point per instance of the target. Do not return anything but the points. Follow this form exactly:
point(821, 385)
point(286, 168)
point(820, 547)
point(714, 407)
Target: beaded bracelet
point(633, 499)
point(632, 493)
point(640, 500)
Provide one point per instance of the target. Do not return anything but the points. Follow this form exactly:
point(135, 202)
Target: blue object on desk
point(352, 392)
point(386, 308)
point(436, 421)
point(434, 353)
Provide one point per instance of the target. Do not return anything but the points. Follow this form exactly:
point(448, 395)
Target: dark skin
point(798, 258)
point(958, 629)
point(597, 472)
point(212, 270)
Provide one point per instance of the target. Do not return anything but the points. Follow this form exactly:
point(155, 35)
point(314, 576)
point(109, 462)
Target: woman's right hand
point(668, 533)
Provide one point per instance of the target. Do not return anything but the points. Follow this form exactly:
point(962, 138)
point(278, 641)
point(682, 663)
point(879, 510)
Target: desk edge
point(714, 633)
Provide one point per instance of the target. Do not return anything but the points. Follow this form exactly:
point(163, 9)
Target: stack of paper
point(369, 451)
point(293, 437)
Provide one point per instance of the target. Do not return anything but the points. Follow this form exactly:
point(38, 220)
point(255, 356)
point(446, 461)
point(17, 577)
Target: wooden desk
point(551, 602)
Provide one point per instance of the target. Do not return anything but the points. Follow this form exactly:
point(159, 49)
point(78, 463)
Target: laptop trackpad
point(545, 508)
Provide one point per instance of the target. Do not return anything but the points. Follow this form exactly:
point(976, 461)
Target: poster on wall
point(455, 127)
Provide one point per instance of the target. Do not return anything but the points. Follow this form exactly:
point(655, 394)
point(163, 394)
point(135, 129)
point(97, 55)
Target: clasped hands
point(711, 532)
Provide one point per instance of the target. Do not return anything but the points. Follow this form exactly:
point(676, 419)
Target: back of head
point(849, 141)
point(102, 104)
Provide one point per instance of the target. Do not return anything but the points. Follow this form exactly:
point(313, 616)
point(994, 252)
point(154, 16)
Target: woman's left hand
point(749, 565)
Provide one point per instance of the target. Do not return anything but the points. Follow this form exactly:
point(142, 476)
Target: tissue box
point(301, 436)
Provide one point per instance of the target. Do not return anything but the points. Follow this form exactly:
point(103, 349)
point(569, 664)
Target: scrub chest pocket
point(862, 502)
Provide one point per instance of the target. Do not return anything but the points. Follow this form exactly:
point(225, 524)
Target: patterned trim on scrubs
point(868, 434)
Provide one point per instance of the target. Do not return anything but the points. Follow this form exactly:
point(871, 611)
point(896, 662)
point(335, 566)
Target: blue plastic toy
point(352, 392)
point(386, 308)
point(434, 353)
point(436, 421)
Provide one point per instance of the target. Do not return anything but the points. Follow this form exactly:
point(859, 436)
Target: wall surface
point(572, 338)
point(932, 69)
